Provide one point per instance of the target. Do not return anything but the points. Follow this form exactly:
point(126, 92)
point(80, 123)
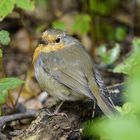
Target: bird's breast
point(46, 49)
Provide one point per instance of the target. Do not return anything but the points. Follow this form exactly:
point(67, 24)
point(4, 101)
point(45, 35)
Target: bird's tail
point(102, 100)
point(107, 108)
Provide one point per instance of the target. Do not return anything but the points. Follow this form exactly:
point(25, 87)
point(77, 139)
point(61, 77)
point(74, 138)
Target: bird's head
point(54, 36)
point(53, 40)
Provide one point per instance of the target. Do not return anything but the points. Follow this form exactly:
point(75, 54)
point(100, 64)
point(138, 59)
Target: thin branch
point(9, 118)
point(21, 88)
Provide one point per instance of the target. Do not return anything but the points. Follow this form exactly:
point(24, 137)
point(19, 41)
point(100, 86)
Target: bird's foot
point(56, 113)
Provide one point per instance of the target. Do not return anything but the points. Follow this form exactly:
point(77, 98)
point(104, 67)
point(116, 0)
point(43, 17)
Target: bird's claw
point(55, 113)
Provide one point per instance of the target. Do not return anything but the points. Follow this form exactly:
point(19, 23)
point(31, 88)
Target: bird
point(65, 70)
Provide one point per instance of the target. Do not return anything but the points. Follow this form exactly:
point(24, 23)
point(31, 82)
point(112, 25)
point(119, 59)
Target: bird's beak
point(43, 42)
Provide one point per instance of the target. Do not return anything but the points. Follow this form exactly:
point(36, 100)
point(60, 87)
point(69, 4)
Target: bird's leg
point(56, 111)
point(58, 107)
point(94, 107)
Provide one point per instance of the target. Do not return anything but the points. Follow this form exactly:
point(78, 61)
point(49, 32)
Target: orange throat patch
point(46, 48)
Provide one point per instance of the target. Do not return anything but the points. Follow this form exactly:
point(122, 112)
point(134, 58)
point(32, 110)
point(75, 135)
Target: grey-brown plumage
point(69, 74)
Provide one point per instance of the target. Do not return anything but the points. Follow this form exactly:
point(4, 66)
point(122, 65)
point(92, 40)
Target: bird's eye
point(57, 40)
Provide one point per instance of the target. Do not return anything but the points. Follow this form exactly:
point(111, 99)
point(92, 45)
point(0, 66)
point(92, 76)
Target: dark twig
point(9, 118)
point(21, 88)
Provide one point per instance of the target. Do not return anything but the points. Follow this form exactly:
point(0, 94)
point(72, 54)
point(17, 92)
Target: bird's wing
point(69, 75)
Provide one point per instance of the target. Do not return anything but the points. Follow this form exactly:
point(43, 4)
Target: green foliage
point(7, 6)
point(120, 33)
point(82, 24)
point(129, 63)
point(127, 108)
point(107, 31)
point(7, 84)
point(133, 88)
point(109, 57)
point(104, 30)
point(127, 125)
point(4, 37)
point(122, 128)
point(103, 7)
point(25, 4)
point(10, 83)
point(59, 25)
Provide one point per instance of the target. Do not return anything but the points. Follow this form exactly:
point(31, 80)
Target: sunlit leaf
point(6, 7)
point(9, 83)
point(114, 54)
point(134, 84)
point(127, 108)
point(102, 50)
point(129, 63)
point(108, 57)
point(4, 37)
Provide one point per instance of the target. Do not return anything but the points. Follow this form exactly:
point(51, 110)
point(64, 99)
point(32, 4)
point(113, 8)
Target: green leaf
point(113, 54)
point(59, 25)
point(9, 83)
point(25, 4)
point(82, 24)
point(102, 50)
point(4, 37)
point(3, 96)
point(133, 88)
point(136, 44)
point(127, 109)
point(129, 63)
point(109, 57)
point(6, 7)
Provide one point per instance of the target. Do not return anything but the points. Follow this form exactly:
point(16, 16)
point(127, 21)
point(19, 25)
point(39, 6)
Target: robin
point(66, 71)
